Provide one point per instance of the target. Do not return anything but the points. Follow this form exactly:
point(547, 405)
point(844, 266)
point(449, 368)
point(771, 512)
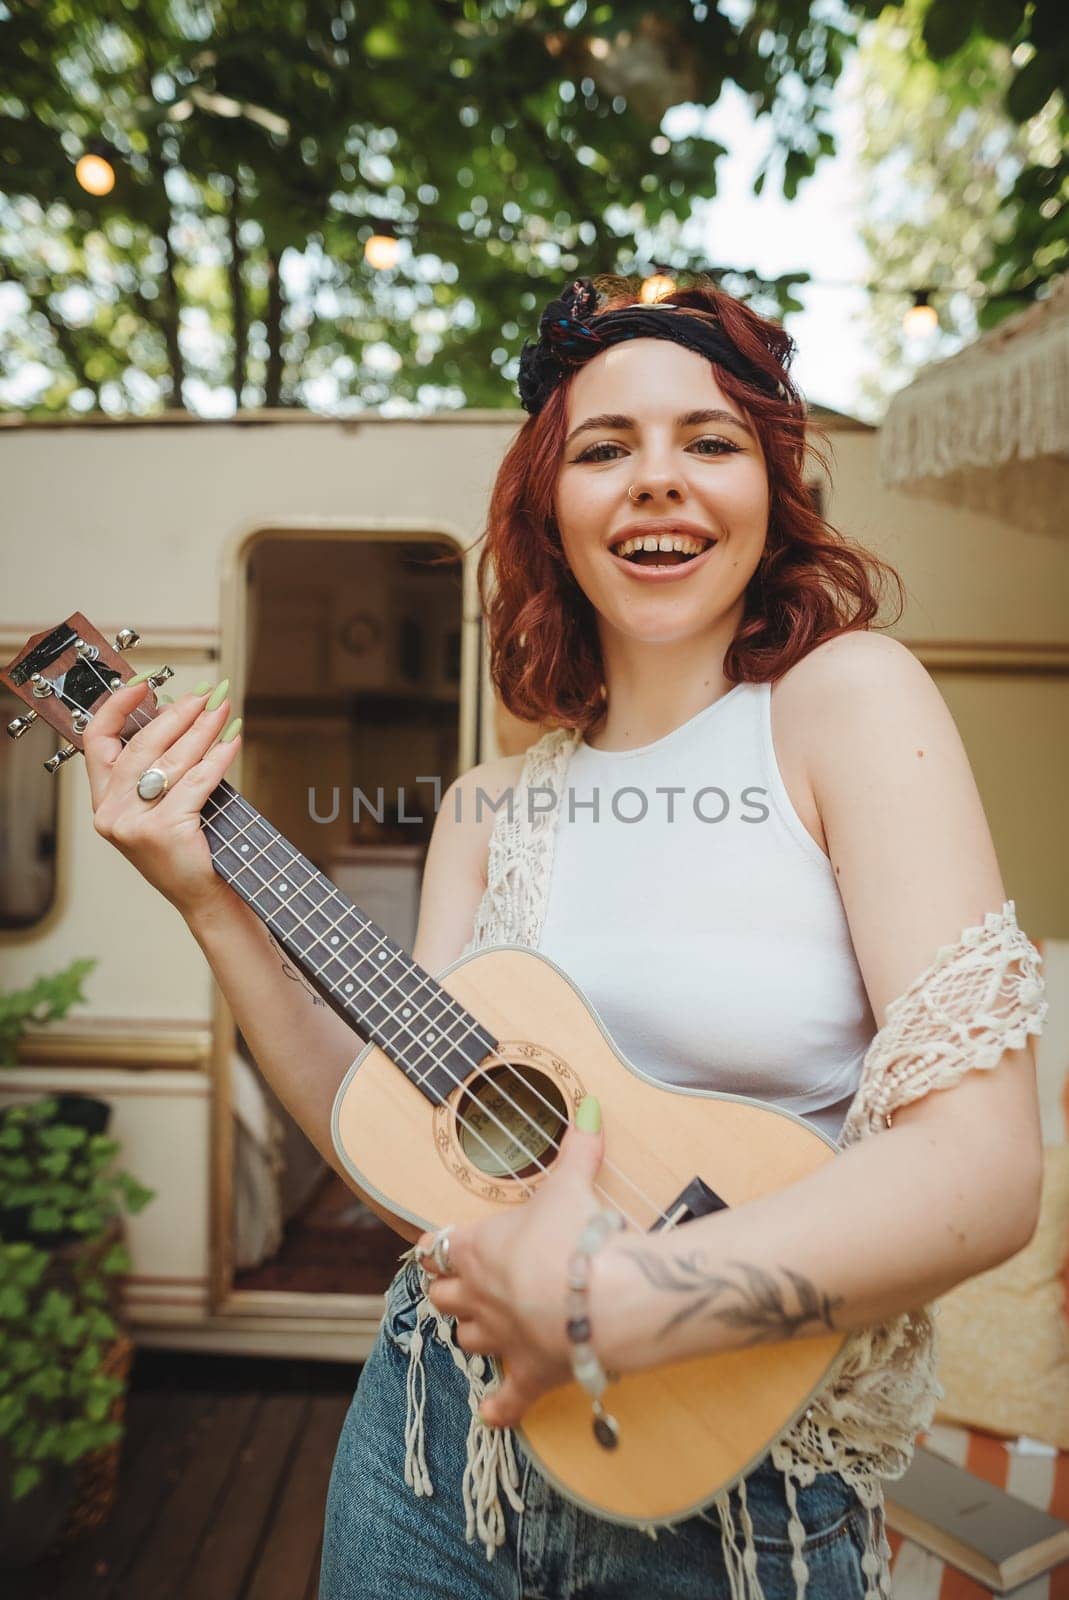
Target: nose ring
point(630, 496)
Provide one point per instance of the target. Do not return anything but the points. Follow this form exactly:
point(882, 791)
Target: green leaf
point(116, 1261)
point(46, 1219)
point(136, 1195)
point(86, 1220)
point(48, 1385)
point(25, 1478)
point(63, 1137)
point(999, 19)
point(946, 28)
point(12, 1411)
point(97, 1407)
point(1033, 86)
point(101, 1325)
point(12, 1303)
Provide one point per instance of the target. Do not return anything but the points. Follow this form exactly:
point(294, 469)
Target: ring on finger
point(152, 783)
point(437, 1250)
point(440, 1251)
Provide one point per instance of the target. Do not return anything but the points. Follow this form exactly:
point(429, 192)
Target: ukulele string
point(479, 1066)
point(476, 1065)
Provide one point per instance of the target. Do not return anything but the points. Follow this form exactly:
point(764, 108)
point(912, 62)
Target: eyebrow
point(690, 419)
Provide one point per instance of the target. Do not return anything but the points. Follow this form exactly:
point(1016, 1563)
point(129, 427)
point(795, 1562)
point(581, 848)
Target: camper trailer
point(327, 567)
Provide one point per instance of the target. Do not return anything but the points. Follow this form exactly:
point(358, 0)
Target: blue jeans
point(382, 1543)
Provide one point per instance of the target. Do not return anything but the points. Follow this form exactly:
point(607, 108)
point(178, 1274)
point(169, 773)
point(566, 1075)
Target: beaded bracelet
point(586, 1367)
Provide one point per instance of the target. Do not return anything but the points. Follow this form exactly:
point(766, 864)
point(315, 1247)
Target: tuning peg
point(63, 754)
point(126, 638)
point(159, 678)
point(20, 725)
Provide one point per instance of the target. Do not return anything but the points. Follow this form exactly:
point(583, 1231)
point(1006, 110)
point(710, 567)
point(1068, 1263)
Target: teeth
point(683, 542)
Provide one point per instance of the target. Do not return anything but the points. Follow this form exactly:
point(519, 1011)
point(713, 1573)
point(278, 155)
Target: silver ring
point(152, 783)
point(439, 1251)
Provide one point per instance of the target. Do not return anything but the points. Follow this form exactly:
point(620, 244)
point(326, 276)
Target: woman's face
point(707, 472)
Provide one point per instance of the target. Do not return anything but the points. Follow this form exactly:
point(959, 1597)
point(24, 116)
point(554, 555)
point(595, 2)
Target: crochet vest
point(978, 999)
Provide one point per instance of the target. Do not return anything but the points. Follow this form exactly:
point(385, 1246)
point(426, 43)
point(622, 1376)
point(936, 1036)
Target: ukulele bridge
point(696, 1200)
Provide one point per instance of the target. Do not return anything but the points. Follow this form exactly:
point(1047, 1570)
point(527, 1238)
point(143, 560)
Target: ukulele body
point(446, 1139)
point(688, 1429)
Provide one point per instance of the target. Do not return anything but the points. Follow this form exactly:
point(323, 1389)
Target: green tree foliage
point(959, 194)
point(1035, 247)
point(258, 143)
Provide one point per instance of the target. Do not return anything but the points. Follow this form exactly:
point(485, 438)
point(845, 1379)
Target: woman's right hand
point(163, 838)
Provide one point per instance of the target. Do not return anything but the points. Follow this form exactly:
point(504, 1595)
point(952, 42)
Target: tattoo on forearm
point(294, 973)
point(751, 1300)
point(299, 977)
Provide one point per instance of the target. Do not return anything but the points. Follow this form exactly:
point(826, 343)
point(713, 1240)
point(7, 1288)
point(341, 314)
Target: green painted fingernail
point(588, 1116)
point(165, 699)
point(218, 695)
point(142, 677)
point(231, 730)
point(202, 688)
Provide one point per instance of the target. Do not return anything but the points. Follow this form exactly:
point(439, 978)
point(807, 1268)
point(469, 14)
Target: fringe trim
point(490, 1466)
point(491, 1472)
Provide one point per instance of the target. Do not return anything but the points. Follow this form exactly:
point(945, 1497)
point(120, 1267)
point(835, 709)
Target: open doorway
point(352, 716)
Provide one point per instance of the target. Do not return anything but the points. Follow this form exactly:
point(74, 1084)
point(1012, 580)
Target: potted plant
point(64, 1356)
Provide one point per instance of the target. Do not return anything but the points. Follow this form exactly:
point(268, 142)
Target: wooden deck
point(223, 1481)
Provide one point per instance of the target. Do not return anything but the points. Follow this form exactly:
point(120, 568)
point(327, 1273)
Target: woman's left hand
point(506, 1280)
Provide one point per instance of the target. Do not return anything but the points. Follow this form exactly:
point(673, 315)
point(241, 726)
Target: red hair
point(545, 657)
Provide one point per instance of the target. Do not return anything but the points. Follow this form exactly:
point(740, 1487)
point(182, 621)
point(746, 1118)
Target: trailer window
point(28, 817)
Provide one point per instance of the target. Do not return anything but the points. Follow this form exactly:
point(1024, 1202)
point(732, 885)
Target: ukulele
point(457, 1105)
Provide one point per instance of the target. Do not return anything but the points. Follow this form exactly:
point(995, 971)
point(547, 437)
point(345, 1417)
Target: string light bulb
point(658, 286)
point(922, 318)
point(95, 173)
point(381, 251)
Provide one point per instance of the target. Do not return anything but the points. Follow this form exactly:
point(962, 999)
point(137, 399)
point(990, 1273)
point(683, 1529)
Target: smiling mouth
point(676, 554)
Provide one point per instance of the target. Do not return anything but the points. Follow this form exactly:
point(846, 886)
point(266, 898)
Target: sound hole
point(509, 1121)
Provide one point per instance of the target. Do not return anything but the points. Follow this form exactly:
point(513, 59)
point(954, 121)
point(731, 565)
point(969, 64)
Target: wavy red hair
point(813, 583)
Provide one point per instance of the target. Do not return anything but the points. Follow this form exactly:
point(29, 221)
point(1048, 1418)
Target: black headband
point(569, 334)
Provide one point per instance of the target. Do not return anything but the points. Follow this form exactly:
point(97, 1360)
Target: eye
point(721, 447)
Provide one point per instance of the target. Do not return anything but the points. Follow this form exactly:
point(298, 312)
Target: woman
point(770, 948)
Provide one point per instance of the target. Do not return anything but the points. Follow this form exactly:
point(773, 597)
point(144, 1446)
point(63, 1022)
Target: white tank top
point(713, 946)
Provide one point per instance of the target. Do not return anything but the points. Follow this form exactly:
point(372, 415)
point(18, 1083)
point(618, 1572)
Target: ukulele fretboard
point(355, 965)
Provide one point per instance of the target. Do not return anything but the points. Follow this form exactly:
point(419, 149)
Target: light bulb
point(921, 319)
point(656, 287)
point(95, 175)
point(381, 251)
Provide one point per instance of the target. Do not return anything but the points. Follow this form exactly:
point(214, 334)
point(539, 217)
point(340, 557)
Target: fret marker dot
point(407, 1011)
point(334, 938)
point(429, 1035)
point(348, 988)
point(283, 887)
point(244, 848)
point(382, 955)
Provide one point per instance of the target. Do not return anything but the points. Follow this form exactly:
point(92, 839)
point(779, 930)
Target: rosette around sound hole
point(510, 1120)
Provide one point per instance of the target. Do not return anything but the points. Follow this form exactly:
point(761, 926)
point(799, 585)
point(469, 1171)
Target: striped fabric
point(1041, 1479)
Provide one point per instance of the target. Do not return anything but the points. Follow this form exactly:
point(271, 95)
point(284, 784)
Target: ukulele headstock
point(62, 676)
